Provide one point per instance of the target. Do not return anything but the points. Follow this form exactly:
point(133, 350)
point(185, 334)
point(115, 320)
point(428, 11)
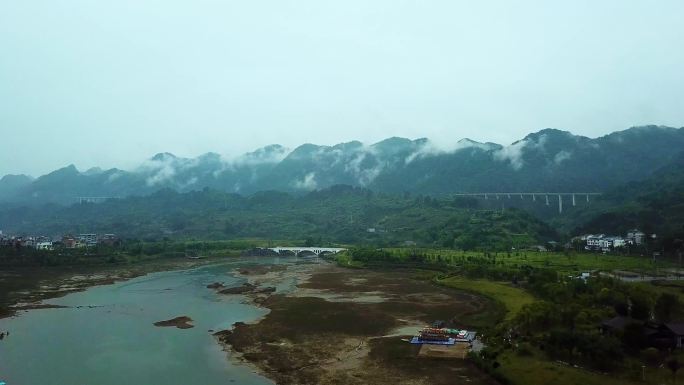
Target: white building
point(608, 243)
point(619, 242)
point(28, 242)
point(603, 242)
point(635, 237)
point(88, 239)
point(594, 241)
point(44, 246)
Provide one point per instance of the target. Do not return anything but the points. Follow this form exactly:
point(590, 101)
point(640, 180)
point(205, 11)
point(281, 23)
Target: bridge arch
point(307, 253)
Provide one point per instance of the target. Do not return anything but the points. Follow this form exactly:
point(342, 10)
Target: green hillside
point(340, 214)
point(655, 205)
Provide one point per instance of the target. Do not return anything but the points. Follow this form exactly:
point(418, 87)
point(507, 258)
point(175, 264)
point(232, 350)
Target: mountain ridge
point(549, 159)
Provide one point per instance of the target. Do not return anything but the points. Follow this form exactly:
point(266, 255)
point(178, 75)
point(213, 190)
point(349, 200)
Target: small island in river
point(182, 322)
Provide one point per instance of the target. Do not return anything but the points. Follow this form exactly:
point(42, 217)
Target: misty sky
point(111, 83)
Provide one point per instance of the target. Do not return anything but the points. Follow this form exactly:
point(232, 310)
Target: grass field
point(564, 263)
point(527, 370)
point(534, 369)
point(512, 298)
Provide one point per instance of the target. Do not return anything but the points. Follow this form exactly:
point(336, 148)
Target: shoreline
point(66, 280)
point(257, 275)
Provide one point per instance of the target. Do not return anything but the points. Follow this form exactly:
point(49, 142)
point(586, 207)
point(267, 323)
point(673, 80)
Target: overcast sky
point(111, 83)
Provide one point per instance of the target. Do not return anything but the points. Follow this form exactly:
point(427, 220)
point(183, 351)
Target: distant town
point(607, 243)
point(59, 242)
point(588, 242)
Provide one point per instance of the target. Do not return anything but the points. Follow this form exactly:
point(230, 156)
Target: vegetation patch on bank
point(512, 298)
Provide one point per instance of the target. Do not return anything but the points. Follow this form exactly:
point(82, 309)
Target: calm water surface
point(115, 342)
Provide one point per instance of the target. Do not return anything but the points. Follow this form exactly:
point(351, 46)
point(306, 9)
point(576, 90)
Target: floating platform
point(418, 341)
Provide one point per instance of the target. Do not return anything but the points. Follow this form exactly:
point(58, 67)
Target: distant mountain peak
point(652, 127)
point(354, 144)
point(70, 169)
point(272, 153)
point(549, 133)
point(16, 178)
point(469, 143)
point(468, 140)
point(272, 147)
point(93, 171)
point(393, 141)
point(305, 150)
point(163, 156)
point(395, 145)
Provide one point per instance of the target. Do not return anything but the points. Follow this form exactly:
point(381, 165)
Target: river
point(106, 334)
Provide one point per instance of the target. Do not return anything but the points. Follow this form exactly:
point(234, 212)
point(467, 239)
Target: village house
point(603, 242)
point(635, 237)
point(28, 242)
point(88, 239)
point(609, 243)
point(110, 240)
point(660, 335)
point(593, 242)
point(676, 331)
point(69, 242)
point(45, 245)
point(66, 241)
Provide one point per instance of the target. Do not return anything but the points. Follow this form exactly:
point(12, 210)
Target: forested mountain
point(548, 160)
point(655, 205)
point(341, 214)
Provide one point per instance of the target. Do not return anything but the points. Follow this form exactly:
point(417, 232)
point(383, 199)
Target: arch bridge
point(297, 251)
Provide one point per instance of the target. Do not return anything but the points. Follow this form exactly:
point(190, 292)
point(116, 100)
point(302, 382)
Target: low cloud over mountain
point(542, 161)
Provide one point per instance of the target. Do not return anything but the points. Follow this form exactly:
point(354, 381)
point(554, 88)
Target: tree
point(642, 303)
point(466, 242)
point(665, 306)
point(674, 365)
point(229, 228)
point(539, 315)
point(634, 337)
point(651, 356)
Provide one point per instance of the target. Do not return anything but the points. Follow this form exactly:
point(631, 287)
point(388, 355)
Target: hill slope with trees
point(340, 214)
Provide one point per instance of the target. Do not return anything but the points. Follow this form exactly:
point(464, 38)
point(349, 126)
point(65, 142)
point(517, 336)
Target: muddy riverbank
point(341, 326)
point(24, 288)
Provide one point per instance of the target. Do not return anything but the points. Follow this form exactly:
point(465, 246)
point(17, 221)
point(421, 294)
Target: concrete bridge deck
point(534, 195)
point(315, 250)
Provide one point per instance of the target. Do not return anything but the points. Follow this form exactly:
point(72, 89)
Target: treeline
point(128, 251)
point(564, 324)
point(491, 265)
point(340, 214)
